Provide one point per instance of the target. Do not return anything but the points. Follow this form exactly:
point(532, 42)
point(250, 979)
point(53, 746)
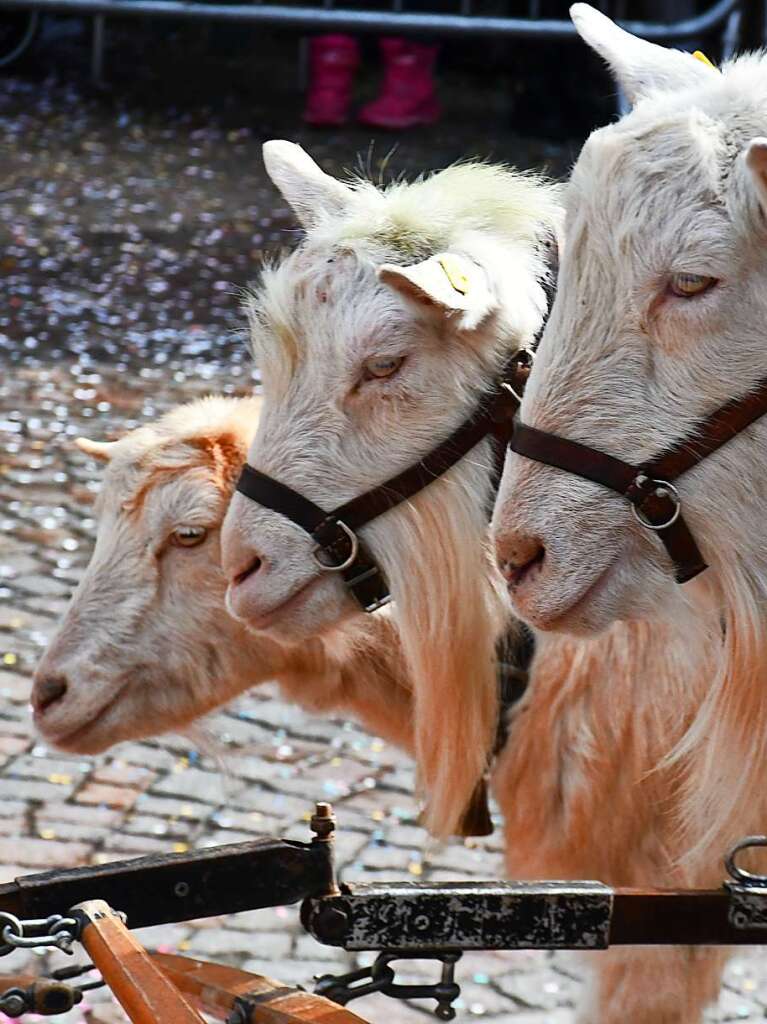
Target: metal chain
point(342, 988)
point(35, 933)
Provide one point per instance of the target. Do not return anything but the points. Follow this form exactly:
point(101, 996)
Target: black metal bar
point(179, 887)
point(701, 917)
point(401, 917)
point(341, 19)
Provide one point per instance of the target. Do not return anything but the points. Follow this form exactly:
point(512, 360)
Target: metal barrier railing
point(333, 18)
point(723, 15)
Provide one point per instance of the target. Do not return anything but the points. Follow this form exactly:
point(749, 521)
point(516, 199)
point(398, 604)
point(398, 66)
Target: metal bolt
point(64, 941)
point(13, 1005)
point(332, 923)
point(740, 919)
point(181, 889)
point(323, 822)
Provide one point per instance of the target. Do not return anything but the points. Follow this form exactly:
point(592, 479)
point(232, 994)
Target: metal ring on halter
point(349, 561)
point(740, 874)
point(672, 493)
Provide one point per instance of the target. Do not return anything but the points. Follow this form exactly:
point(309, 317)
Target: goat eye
point(188, 536)
point(382, 366)
point(687, 285)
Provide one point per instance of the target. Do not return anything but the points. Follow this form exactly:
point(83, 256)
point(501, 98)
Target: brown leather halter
point(650, 488)
point(338, 548)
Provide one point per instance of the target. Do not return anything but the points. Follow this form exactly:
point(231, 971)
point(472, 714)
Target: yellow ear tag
point(458, 280)
point(699, 55)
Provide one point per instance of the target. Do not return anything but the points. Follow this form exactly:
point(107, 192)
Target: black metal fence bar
point(341, 19)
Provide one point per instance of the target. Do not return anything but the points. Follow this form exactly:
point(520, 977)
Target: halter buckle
point(663, 489)
point(523, 360)
point(507, 387)
point(375, 603)
point(349, 561)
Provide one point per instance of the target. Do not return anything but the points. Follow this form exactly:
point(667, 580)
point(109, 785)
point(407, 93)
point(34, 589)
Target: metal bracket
point(245, 1007)
point(748, 892)
point(165, 888)
point(411, 916)
point(45, 997)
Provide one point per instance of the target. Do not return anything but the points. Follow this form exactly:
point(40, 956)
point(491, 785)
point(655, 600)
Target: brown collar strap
point(650, 488)
point(335, 533)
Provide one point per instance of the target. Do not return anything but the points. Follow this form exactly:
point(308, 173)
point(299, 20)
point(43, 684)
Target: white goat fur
point(157, 654)
point(625, 366)
point(591, 738)
point(362, 285)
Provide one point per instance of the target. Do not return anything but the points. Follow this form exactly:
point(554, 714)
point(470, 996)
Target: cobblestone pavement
point(125, 234)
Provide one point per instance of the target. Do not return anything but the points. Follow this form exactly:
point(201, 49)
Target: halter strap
point(339, 549)
point(650, 487)
point(360, 572)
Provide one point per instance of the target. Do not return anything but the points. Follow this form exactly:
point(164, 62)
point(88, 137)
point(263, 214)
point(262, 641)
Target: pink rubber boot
point(333, 61)
point(407, 95)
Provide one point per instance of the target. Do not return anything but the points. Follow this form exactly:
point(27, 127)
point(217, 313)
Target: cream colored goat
point(146, 645)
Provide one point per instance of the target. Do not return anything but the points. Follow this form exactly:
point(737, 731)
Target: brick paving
point(253, 768)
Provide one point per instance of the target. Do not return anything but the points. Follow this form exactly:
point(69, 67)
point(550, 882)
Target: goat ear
point(448, 284)
point(638, 66)
point(756, 162)
point(101, 450)
point(306, 188)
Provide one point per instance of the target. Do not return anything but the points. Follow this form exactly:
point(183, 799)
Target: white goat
point(658, 321)
point(376, 338)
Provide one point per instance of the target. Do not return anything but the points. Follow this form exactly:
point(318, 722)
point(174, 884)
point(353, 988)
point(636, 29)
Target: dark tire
point(17, 33)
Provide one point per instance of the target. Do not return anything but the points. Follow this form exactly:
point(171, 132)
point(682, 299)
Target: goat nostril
point(519, 558)
point(251, 570)
point(47, 691)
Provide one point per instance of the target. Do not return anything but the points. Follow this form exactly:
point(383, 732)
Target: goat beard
point(450, 610)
